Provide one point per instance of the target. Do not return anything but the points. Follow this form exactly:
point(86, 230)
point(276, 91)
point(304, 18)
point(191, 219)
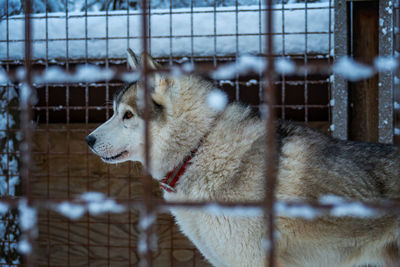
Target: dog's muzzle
point(90, 140)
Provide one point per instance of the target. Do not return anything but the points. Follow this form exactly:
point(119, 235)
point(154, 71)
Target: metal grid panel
point(58, 103)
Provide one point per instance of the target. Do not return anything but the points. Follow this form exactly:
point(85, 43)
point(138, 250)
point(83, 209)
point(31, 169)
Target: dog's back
point(328, 166)
point(312, 166)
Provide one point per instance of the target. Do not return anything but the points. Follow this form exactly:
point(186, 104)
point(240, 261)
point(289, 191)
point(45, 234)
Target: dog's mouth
point(116, 157)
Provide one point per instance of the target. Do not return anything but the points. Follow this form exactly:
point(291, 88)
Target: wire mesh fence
point(58, 81)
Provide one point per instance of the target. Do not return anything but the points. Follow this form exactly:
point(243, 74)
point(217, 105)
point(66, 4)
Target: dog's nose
point(90, 140)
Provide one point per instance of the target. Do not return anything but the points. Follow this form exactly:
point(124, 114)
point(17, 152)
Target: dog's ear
point(133, 60)
point(161, 81)
point(158, 95)
point(136, 63)
point(151, 63)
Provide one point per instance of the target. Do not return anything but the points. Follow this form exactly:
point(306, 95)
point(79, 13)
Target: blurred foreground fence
point(62, 206)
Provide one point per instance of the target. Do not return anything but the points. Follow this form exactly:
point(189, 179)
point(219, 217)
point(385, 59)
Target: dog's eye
point(127, 115)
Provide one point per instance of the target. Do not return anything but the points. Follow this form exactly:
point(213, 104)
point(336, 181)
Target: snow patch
point(243, 65)
point(3, 208)
point(97, 203)
point(352, 209)
point(331, 200)
point(282, 209)
point(24, 247)
point(72, 211)
point(25, 93)
point(285, 66)
point(92, 73)
point(3, 77)
point(84, 73)
point(217, 100)
point(251, 82)
point(218, 210)
point(108, 205)
point(53, 75)
point(130, 77)
point(146, 221)
point(266, 244)
point(318, 18)
point(352, 70)
point(28, 216)
point(142, 245)
point(342, 208)
point(226, 82)
point(188, 67)
point(92, 196)
point(386, 63)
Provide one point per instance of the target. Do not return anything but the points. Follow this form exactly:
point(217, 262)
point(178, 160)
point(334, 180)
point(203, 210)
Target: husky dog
point(200, 154)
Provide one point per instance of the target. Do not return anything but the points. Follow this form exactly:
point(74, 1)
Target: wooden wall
point(64, 168)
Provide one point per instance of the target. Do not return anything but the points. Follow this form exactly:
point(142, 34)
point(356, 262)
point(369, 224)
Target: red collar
point(170, 180)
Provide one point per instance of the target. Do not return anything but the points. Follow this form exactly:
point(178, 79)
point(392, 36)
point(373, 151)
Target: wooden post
point(364, 95)
point(363, 110)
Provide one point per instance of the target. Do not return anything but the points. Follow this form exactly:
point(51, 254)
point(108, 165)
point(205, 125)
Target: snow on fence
point(303, 28)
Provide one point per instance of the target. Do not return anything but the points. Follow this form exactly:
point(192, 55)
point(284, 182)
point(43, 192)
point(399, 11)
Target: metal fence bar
point(305, 61)
point(68, 133)
point(283, 84)
point(170, 32)
point(87, 110)
point(107, 98)
point(270, 157)
point(237, 93)
point(260, 49)
point(215, 34)
point(149, 13)
point(130, 247)
point(47, 135)
point(192, 32)
point(147, 184)
point(27, 129)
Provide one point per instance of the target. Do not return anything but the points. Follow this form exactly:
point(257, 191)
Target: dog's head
point(121, 138)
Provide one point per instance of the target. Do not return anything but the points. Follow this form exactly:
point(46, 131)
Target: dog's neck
point(170, 180)
point(177, 157)
point(189, 120)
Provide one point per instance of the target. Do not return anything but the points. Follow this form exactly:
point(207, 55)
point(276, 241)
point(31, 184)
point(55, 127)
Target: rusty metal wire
point(270, 157)
point(27, 129)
